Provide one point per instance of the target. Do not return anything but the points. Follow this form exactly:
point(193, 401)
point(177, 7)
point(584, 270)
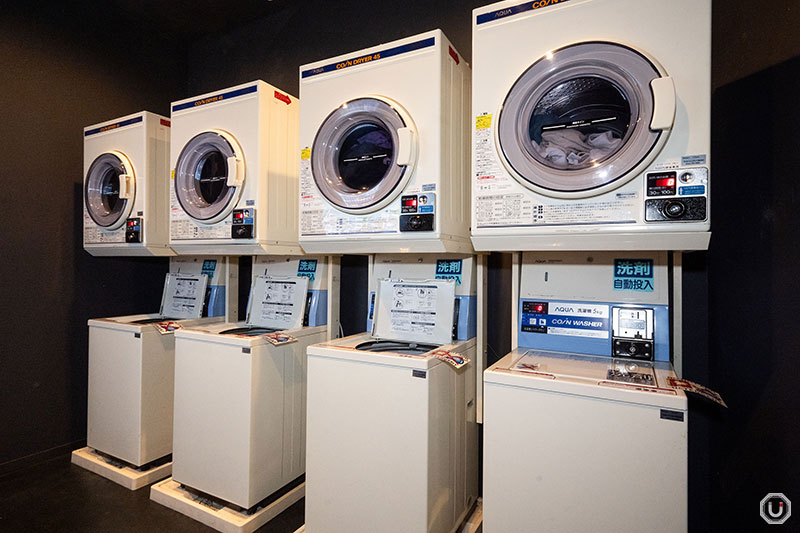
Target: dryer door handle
point(663, 103)
point(125, 186)
point(235, 172)
point(405, 146)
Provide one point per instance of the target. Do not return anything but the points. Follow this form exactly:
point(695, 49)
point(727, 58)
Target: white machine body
point(395, 449)
point(568, 449)
point(131, 367)
point(591, 126)
point(240, 401)
point(405, 415)
point(234, 172)
point(384, 159)
point(126, 186)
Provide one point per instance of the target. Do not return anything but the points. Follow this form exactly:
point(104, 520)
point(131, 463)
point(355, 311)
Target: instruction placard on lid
point(277, 303)
point(415, 310)
point(184, 295)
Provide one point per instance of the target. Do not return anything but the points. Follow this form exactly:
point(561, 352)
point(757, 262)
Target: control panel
point(677, 195)
point(632, 330)
point(417, 212)
point(133, 230)
point(243, 226)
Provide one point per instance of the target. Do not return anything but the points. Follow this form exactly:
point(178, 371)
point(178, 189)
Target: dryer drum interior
point(202, 176)
point(354, 155)
point(102, 191)
point(579, 118)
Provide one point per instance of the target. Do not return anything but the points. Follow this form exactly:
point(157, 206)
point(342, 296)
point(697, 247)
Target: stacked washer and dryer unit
point(591, 164)
point(384, 166)
point(131, 358)
point(239, 386)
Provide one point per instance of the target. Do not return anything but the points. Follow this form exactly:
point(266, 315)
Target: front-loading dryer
point(234, 172)
point(125, 186)
point(591, 125)
point(384, 159)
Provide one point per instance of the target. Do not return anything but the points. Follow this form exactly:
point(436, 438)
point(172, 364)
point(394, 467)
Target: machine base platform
point(473, 524)
point(126, 476)
point(170, 494)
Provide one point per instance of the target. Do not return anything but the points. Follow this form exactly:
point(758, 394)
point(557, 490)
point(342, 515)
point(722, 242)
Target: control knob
point(674, 209)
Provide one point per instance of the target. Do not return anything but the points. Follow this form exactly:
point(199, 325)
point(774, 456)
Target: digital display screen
point(534, 307)
point(665, 182)
point(629, 323)
point(409, 201)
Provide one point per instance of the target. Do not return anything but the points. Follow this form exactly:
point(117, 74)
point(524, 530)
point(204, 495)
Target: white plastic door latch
point(663, 103)
point(406, 143)
point(125, 186)
point(235, 174)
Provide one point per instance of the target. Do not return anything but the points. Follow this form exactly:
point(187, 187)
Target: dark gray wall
point(62, 70)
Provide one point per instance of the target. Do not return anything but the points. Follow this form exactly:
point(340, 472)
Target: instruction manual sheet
point(184, 295)
point(277, 303)
point(415, 310)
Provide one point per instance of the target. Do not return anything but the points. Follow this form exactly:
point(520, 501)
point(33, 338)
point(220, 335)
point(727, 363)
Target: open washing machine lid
point(183, 296)
point(109, 189)
point(585, 119)
point(363, 154)
point(417, 311)
point(209, 176)
point(277, 303)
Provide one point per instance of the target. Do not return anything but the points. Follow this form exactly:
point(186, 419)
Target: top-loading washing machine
point(131, 371)
point(125, 186)
point(234, 172)
point(384, 159)
point(582, 429)
point(591, 125)
point(240, 387)
point(392, 430)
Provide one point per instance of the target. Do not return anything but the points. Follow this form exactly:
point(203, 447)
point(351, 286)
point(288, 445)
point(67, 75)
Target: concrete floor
point(59, 496)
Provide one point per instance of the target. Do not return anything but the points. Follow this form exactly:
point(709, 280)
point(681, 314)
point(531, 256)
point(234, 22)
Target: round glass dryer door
point(578, 122)
point(363, 154)
point(209, 176)
point(109, 190)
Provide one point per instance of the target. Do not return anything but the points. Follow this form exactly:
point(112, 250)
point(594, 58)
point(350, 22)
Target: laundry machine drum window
point(202, 177)
point(102, 191)
point(354, 155)
point(578, 120)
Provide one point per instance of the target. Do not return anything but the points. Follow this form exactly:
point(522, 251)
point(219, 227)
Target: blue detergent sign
point(633, 275)
point(307, 268)
point(449, 269)
point(209, 266)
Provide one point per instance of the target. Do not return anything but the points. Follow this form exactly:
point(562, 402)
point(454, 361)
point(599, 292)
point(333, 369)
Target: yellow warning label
point(305, 153)
point(173, 173)
point(483, 122)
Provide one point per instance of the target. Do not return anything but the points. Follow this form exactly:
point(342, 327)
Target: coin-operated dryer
point(240, 392)
point(126, 186)
point(583, 409)
point(384, 159)
point(389, 404)
point(131, 372)
point(234, 172)
point(591, 125)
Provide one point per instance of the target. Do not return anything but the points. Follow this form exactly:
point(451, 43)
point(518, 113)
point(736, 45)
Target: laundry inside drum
point(579, 123)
